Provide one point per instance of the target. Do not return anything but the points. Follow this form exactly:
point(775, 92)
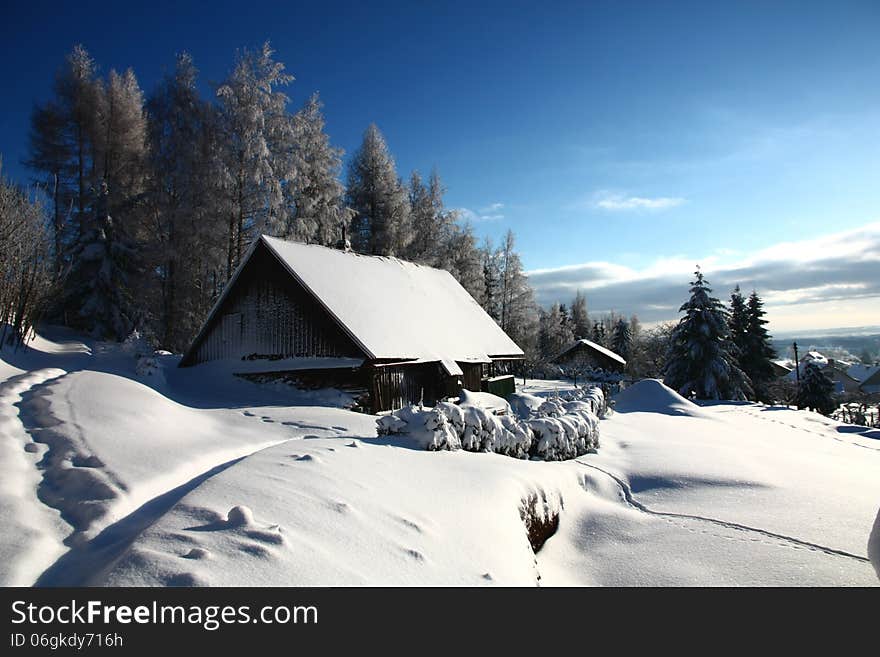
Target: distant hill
point(843, 343)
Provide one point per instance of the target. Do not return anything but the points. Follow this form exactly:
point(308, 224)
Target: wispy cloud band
point(618, 203)
point(842, 269)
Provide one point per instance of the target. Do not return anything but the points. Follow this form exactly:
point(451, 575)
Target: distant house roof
point(861, 372)
point(591, 345)
point(391, 308)
point(780, 368)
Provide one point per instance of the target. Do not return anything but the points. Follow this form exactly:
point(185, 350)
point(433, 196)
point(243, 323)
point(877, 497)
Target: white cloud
point(799, 281)
point(619, 202)
point(491, 212)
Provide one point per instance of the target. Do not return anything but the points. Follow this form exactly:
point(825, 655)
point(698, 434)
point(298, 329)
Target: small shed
point(585, 354)
point(397, 331)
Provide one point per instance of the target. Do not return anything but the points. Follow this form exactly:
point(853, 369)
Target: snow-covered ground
point(192, 477)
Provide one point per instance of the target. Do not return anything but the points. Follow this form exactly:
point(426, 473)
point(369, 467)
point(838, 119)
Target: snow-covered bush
point(428, 428)
point(552, 430)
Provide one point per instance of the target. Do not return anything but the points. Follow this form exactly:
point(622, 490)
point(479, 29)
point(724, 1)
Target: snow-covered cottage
point(585, 354)
point(396, 331)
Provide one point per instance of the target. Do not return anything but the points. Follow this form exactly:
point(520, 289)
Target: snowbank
point(653, 396)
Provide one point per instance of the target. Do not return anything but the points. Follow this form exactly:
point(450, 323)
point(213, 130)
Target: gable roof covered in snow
point(390, 308)
point(589, 344)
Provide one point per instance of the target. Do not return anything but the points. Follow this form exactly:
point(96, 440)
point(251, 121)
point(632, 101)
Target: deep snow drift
point(192, 477)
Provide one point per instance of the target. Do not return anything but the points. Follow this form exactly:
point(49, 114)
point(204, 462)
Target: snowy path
point(32, 532)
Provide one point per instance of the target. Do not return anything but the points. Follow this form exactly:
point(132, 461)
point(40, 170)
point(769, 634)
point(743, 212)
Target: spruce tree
point(816, 391)
point(701, 357)
point(738, 321)
point(757, 353)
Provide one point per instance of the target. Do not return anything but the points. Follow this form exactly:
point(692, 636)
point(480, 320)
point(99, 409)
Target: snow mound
point(239, 516)
point(652, 396)
point(484, 400)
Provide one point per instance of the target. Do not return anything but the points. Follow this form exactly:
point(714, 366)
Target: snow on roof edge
point(593, 345)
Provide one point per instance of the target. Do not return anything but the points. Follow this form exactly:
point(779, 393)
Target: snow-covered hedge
point(552, 430)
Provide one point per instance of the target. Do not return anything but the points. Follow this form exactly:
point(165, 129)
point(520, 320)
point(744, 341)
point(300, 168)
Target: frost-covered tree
point(431, 224)
point(424, 231)
point(257, 149)
point(120, 142)
point(555, 334)
point(25, 267)
point(757, 352)
point(491, 299)
point(635, 361)
point(381, 221)
point(816, 391)
point(105, 259)
point(461, 258)
point(701, 358)
point(579, 317)
point(62, 147)
point(519, 317)
point(621, 339)
point(654, 346)
point(317, 213)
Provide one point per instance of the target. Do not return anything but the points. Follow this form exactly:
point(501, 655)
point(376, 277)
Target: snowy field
point(190, 477)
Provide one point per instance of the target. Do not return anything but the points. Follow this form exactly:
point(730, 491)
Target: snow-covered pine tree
point(317, 213)
point(816, 391)
point(258, 144)
point(756, 358)
point(579, 317)
point(701, 359)
point(621, 339)
point(381, 221)
point(99, 282)
point(737, 322)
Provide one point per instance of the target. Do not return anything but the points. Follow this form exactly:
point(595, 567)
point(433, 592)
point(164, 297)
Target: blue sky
point(635, 138)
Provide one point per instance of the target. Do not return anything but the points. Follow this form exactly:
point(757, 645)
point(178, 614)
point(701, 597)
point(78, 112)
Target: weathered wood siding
point(473, 375)
point(269, 315)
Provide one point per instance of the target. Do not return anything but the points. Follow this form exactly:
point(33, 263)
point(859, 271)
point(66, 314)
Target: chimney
point(344, 244)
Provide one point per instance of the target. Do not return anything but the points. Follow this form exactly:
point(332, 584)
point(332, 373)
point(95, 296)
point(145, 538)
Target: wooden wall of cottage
point(269, 315)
